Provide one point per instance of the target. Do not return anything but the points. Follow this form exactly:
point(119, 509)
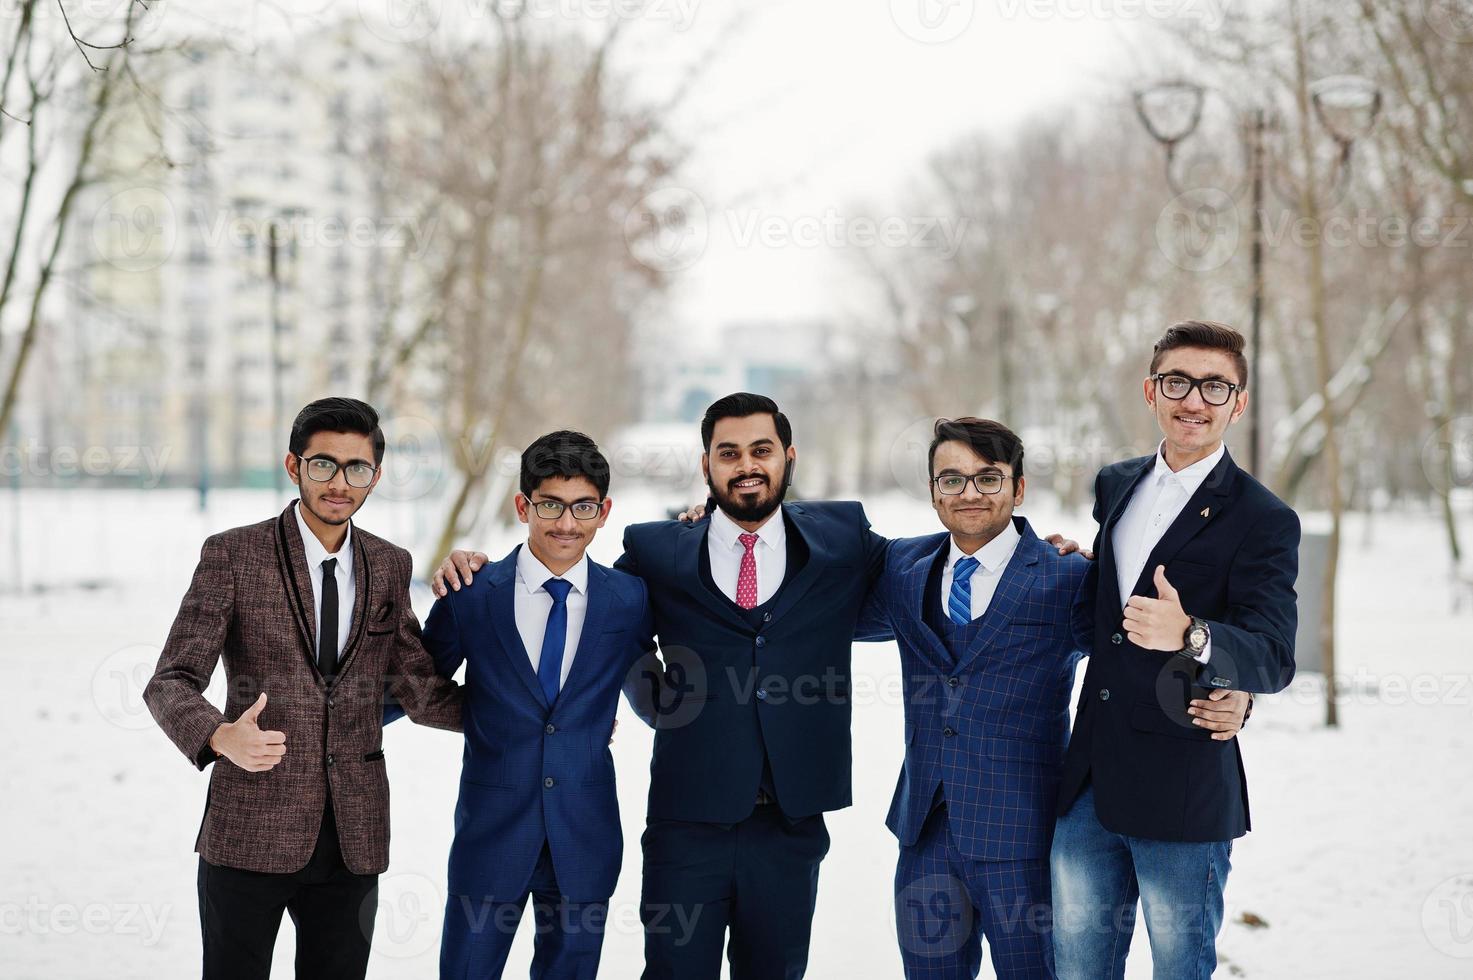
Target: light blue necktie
point(959, 606)
point(550, 664)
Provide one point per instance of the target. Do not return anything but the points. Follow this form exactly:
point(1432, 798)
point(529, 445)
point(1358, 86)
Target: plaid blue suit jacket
point(990, 727)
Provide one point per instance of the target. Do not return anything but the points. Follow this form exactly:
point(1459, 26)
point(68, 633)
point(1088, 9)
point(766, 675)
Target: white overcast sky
point(810, 110)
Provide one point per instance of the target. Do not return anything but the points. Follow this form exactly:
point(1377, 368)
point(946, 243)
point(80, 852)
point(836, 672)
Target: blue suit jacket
point(727, 690)
point(991, 727)
point(533, 772)
point(1233, 555)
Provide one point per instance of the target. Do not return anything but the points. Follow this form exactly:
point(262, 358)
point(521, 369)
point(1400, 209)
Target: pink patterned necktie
point(746, 596)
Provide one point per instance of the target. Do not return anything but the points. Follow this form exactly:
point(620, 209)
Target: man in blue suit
point(756, 610)
point(981, 614)
point(1192, 590)
point(548, 638)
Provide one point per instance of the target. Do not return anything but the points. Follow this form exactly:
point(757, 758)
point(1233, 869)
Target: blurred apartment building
point(169, 332)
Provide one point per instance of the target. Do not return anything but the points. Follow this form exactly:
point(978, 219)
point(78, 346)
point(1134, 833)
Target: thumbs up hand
point(245, 744)
point(1160, 623)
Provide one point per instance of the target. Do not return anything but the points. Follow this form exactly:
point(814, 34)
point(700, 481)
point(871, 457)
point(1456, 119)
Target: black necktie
point(327, 631)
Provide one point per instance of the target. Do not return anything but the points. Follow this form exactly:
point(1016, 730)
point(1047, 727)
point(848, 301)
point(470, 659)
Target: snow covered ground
point(1360, 864)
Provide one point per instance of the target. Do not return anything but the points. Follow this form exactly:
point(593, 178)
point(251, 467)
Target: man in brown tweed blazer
point(311, 616)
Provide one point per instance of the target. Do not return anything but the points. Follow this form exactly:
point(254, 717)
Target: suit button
point(549, 782)
point(1117, 639)
point(329, 702)
point(550, 728)
point(952, 682)
point(947, 732)
point(767, 617)
point(762, 641)
point(761, 695)
point(1104, 694)
point(329, 758)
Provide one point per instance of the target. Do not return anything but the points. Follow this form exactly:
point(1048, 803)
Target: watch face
point(1197, 637)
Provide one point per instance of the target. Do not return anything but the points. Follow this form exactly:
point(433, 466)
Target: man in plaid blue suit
point(981, 615)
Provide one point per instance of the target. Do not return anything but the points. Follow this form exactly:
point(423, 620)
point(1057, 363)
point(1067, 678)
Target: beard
point(732, 504)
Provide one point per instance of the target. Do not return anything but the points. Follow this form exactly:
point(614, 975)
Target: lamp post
point(1171, 111)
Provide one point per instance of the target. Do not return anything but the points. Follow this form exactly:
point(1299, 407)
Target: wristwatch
point(1196, 639)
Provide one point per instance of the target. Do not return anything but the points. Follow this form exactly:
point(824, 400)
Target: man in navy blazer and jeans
point(1192, 589)
point(548, 638)
point(981, 614)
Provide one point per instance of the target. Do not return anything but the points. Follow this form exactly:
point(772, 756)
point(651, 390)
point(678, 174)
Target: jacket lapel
point(1012, 589)
point(1190, 522)
point(913, 602)
point(794, 587)
point(689, 540)
point(1130, 474)
point(502, 597)
point(590, 649)
point(363, 600)
point(291, 562)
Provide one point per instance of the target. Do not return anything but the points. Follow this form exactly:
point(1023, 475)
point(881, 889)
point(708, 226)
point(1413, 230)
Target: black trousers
point(332, 908)
point(757, 879)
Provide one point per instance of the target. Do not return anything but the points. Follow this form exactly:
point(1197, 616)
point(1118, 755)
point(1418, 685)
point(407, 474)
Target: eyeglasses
point(583, 510)
point(1178, 386)
point(321, 469)
point(953, 484)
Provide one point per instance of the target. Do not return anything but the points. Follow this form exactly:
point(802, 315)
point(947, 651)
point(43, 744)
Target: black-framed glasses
point(321, 469)
point(583, 510)
point(952, 484)
point(1178, 386)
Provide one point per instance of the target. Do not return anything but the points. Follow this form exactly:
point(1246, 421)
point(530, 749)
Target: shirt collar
point(316, 553)
point(725, 531)
point(994, 554)
point(1189, 477)
point(532, 574)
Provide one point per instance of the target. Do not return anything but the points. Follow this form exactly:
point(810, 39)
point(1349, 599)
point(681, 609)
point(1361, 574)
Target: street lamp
point(1347, 107)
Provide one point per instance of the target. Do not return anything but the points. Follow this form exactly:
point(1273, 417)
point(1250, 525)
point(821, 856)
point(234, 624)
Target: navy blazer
point(728, 691)
point(990, 727)
point(1233, 555)
point(534, 772)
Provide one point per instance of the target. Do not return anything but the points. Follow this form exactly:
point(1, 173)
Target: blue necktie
point(550, 665)
point(959, 606)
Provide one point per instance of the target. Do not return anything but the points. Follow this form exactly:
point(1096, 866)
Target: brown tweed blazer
point(250, 604)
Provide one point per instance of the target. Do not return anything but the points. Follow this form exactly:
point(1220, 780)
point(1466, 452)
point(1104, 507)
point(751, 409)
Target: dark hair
point(565, 454)
point(739, 406)
point(1203, 333)
point(991, 440)
point(337, 415)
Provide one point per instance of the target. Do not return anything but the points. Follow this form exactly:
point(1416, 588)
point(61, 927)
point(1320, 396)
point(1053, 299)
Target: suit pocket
point(1145, 717)
point(382, 618)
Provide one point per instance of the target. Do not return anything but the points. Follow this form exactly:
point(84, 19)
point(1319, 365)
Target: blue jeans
point(1097, 877)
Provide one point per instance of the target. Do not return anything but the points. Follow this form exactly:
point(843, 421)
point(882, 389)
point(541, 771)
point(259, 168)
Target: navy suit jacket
point(1233, 555)
point(533, 772)
point(724, 691)
point(990, 728)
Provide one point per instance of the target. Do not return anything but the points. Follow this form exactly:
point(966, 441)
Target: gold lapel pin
point(1206, 511)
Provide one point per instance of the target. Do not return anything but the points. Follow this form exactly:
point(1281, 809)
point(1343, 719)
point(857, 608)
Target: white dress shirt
point(533, 603)
point(726, 550)
point(992, 558)
point(1157, 502)
point(316, 555)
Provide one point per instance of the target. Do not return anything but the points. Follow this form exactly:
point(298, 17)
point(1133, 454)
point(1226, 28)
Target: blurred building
point(171, 330)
